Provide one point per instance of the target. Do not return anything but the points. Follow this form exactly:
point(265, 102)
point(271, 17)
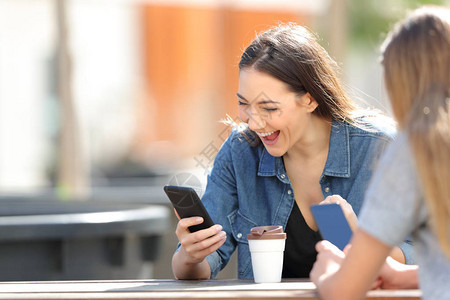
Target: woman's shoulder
point(376, 126)
point(236, 155)
point(400, 148)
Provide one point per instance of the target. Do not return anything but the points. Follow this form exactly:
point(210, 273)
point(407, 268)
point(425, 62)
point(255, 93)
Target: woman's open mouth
point(269, 138)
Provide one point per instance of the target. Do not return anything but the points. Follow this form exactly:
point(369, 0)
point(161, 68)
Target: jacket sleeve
point(220, 199)
point(407, 249)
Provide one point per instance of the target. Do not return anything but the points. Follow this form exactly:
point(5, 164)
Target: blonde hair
point(416, 60)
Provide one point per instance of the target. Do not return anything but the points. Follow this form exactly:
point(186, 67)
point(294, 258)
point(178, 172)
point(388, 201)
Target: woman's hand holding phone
point(350, 215)
point(189, 262)
point(197, 245)
point(196, 232)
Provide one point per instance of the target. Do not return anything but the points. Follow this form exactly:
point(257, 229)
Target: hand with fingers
point(346, 208)
point(198, 245)
point(328, 262)
point(189, 262)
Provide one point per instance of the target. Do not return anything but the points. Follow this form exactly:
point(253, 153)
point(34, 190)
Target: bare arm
point(189, 261)
point(395, 275)
point(398, 255)
point(349, 278)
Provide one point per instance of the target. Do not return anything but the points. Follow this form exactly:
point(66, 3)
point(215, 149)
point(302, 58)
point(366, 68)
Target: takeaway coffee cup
point(267, 249)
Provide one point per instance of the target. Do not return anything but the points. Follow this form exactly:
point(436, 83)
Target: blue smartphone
point(333, 225)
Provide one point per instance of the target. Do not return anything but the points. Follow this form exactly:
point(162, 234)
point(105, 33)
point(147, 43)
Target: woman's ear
point(309, 102)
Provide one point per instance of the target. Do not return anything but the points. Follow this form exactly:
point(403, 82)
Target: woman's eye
point(270, 109)
point(242, 103)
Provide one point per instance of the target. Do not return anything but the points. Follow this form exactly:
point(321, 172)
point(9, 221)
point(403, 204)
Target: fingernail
point(198, 219)
point(218, 228)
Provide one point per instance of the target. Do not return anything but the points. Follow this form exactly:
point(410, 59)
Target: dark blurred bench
point(47, 239)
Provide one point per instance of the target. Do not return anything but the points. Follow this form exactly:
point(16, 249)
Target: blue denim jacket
point(248, 187)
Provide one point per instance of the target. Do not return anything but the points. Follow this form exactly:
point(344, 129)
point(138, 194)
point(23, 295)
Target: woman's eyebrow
point(240, 96)
point(260, 101)
point(268, 101)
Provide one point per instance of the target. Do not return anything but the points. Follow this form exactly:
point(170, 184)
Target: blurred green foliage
point(370, 20)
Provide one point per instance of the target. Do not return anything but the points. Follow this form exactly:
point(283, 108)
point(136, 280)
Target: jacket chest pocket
point(240, 227)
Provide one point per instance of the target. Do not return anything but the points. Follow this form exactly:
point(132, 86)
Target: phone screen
point(187, 204)
point(333, 225)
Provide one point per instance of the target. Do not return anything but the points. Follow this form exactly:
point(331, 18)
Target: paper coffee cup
point(266, 245)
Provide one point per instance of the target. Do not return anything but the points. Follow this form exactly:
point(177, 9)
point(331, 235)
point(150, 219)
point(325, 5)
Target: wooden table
point(175, 289)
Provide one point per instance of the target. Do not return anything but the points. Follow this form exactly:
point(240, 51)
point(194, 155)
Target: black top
point(300, 253)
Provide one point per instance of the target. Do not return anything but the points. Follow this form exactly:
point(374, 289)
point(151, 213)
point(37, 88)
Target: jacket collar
point(338, 160)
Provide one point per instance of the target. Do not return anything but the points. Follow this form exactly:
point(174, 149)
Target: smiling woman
point(277, 115)
point(303, 141)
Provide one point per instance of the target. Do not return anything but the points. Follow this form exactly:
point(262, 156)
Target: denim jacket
point(248, 187)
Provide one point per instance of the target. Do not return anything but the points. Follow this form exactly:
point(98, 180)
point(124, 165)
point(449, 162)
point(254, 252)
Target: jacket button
point(239, 235)
point(289, 192)
point(282, 176)
point(327, 189)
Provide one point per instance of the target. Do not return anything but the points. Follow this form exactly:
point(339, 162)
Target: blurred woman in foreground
point(410, 192)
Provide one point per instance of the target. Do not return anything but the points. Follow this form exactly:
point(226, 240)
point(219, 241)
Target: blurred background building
point(130, 93)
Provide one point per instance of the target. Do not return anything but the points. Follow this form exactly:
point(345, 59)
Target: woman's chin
point(275, 152)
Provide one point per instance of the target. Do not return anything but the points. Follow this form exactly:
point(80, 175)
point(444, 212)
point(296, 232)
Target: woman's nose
point(256, 121)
